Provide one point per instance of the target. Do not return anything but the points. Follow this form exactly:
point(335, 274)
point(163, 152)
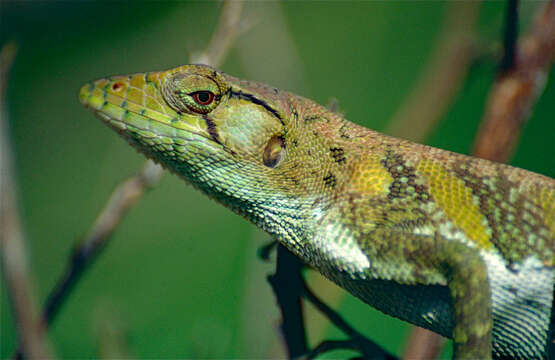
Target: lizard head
point(238, 141)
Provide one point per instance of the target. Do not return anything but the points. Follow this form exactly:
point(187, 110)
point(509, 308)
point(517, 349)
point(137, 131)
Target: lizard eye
point(203, 98)
point(192, 92)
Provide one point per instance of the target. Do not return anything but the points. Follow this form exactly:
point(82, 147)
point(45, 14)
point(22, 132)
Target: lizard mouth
point(132, 105)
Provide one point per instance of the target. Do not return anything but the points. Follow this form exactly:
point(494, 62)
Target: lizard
point(459, 245)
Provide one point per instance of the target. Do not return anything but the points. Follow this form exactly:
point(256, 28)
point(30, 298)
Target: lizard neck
point(284, 213)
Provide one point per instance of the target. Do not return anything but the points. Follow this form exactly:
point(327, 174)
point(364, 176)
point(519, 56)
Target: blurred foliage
point(180, 277)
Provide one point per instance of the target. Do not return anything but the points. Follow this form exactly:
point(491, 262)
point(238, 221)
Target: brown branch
point(510, 36)
point(357, 341)
point(123, 198)
point(224, 36)
point(130, 191)
point(521, 80)
point(287, 284)
point(14, 261)
point(423, 344)
point(515, 91)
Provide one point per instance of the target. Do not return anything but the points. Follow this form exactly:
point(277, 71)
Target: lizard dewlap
point(458, 245)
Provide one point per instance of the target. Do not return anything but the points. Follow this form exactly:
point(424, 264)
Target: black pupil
point(203, 96)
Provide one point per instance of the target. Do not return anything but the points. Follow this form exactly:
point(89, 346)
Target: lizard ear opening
point(274, 152)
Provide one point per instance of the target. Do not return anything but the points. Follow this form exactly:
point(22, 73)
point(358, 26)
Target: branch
point(14, 262)
point(423, 344)
point(522, 77)
point(287, 284)
point(356, 341)
point(517, 89)
point(224, 36)
point(129, 192)
point(124, 198)
point(511, 34)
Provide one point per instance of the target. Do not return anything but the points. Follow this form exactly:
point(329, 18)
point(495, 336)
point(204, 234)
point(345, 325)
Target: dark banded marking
point(213, 132)
point(330, 180)
point(253, 99)
point(211, 126)
point(338, 154)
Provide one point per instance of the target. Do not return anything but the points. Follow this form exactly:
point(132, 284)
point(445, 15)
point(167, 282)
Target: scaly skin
point(458, 245)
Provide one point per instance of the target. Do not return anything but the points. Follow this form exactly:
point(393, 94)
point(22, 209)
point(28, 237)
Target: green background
point(180, 278)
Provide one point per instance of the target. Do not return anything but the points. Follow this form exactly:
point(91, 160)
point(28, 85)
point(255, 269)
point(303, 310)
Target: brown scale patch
point(404, 179)
point(512, 221)
point(546, 199)
point(311, 118)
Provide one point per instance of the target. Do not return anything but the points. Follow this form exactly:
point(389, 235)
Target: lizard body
point(458, 245)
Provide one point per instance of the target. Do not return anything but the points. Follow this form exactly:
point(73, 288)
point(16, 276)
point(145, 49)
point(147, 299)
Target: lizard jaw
point(132, 106)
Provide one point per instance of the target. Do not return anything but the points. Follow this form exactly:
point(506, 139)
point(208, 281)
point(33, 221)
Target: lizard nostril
point(117, 86)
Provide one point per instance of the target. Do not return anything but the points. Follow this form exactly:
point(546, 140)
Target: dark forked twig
point(287, 284)
point(510, 36)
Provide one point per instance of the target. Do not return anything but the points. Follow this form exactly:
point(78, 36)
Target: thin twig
point(14, 261)
point(264, 251)
point(330, 345)
point(516, 90)
point(130, 191)
point(331, 314)
point(124, 198)
point(423, 344)
point(356, 340)
point(510, 36)
point(224, 36)
point(287, 283)
point(289, 286)
point(350, 344)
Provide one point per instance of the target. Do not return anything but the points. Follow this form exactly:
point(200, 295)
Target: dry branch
point(521, 80)
point(130, 191)
point(227, 30)
point(14, 261)
point(516, 90)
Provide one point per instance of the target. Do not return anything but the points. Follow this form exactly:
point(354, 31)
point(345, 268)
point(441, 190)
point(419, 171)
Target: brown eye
point(203, 98)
